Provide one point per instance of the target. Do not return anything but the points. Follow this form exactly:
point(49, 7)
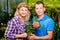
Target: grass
point(3, 38)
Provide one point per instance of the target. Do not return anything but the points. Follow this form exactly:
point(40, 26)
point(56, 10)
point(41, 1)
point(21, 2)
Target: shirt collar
point(44, 17)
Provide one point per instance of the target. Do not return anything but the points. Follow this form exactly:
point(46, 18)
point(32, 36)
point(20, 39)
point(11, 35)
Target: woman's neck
point(21, 19)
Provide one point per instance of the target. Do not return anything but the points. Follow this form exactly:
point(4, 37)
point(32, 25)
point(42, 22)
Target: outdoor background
point(8, 7)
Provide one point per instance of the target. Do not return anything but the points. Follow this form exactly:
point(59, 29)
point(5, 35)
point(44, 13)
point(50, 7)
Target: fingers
point(31, 37)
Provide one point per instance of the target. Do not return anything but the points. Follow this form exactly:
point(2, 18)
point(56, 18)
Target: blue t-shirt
point(47, 25)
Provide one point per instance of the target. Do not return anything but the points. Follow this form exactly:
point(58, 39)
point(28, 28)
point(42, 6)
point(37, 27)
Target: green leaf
point(35, 19)
point(29, 28)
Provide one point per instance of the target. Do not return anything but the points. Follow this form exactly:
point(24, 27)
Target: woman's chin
point(23, 15)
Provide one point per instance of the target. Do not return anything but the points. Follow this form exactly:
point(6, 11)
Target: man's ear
point(44, 9)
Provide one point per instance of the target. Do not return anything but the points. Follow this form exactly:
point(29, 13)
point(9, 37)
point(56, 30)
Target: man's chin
point(39, 14)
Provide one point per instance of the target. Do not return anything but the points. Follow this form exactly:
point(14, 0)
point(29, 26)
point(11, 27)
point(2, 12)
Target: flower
point(35, 23)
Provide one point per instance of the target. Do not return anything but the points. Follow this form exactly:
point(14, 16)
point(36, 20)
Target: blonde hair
point(22, 19)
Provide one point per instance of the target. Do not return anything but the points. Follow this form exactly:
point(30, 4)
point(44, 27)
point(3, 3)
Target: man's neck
point(40, 17)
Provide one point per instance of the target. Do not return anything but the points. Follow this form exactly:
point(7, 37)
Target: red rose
point(36, 24)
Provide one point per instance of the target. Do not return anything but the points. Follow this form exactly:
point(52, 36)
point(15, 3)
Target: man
point(46, 31)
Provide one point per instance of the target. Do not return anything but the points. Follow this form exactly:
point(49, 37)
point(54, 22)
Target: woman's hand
point(23, 35)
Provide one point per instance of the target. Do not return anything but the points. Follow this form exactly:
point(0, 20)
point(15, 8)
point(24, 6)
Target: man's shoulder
point(49, 19)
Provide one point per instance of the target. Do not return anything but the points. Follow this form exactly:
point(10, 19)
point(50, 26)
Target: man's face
point(39, 9)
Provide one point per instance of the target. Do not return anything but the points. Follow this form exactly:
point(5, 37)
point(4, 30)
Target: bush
point(2, 30)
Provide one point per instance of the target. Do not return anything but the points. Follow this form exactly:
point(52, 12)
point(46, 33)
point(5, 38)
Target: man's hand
point(32, 37)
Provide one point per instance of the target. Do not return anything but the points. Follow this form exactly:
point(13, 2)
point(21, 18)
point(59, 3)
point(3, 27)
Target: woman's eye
point(22, 10)
point(25, 10)
point(36, 8)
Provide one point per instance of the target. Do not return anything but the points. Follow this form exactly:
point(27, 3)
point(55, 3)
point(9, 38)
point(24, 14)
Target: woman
point(16, 26)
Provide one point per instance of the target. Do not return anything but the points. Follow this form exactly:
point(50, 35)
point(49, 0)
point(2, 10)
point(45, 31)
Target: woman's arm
point(24, 35)
point(11, 32)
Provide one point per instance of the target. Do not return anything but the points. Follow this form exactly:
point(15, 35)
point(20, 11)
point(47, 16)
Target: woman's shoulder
point(14, 19)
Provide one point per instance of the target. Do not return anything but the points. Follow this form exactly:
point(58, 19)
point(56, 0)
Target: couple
point(16, 26)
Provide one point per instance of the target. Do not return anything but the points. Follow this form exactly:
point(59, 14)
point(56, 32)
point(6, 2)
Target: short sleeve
point(50, 26)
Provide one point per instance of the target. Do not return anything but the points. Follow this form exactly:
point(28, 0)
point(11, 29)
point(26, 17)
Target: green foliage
point(52, 12)
point(29, 28)
point(35, 19)
point(2, 30)
point(3, 38)
point(51, 3)
point(3, 16)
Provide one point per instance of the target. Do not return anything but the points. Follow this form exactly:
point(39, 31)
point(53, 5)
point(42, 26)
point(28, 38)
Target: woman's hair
point(26, 18)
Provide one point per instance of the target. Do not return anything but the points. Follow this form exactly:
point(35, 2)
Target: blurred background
point(8, 7)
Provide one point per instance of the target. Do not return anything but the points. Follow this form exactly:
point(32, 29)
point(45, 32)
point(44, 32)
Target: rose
point(36, 24)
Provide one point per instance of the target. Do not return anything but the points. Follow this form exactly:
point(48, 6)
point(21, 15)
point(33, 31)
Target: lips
point(23, 13)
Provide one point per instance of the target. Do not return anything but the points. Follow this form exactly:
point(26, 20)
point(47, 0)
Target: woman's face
point(23, 11)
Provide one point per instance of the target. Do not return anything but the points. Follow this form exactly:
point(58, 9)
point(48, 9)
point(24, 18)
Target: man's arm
point(49, 36)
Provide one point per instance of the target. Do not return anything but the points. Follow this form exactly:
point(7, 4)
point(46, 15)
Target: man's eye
point(25, 10)
point(40, 8)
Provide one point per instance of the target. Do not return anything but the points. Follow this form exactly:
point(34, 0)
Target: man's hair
point(39, 2)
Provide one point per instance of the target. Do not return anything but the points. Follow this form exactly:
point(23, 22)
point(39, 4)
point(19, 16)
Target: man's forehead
point(39, 5)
